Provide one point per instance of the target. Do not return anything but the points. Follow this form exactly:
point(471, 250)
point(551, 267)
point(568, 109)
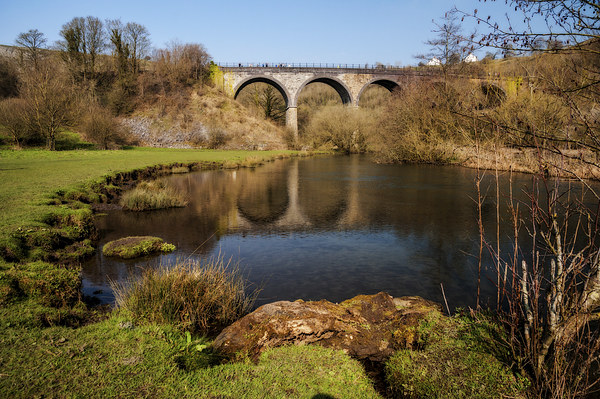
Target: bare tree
point(120, 48)
point(572, 22)
point(83, 40)
point(449, 46)
point(182, 63)
point(13, 116)
point(51, 103)
point(102, 128)
point(95, 40)
point(266, 100)
point(32, 44)
point(197, 59)
point(271, 103)
point(137, 38)
point(74, 49)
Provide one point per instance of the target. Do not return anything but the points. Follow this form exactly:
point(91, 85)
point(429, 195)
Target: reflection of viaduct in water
point(299, 202)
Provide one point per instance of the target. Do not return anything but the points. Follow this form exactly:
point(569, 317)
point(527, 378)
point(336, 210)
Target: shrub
point(196, 296)
point(424, 122)
point(103, 129)
point(152, 195)
point(134, 247)
point(529, 118)
point(217, 138)
point(454, 360)
point(342, 127)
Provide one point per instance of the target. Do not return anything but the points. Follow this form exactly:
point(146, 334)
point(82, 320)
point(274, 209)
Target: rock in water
point(367, 327)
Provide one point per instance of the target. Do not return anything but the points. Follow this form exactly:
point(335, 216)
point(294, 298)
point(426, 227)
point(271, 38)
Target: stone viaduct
point(349, 82)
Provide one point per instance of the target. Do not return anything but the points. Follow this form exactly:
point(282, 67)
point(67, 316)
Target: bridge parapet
point(407, 71)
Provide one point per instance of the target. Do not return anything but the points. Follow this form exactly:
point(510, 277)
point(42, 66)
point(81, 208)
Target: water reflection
point(323, 228)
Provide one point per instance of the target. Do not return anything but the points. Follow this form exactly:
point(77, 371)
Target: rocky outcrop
point(367, 327)
point(151, 132)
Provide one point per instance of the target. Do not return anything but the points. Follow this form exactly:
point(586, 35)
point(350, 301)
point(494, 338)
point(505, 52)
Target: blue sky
point(257, 31)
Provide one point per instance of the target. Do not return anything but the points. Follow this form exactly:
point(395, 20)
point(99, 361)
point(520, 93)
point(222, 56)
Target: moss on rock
point(134, 247)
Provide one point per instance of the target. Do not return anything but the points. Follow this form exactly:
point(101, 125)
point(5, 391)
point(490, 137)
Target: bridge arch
point(386, 83)
point(339, 86)
point(264, 79)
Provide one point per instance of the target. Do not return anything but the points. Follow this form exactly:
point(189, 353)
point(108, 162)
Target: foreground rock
point(367, 327)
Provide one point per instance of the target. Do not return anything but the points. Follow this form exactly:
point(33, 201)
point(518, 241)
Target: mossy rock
point(366, 327)
point(135, 247)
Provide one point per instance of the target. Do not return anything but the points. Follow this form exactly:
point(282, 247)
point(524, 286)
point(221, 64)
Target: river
point(325, 228)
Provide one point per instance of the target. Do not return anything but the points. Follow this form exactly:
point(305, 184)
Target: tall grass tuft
point(196, 296)
point(152, 195)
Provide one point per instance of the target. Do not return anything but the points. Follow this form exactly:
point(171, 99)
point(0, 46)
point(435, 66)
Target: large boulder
point(367, 327)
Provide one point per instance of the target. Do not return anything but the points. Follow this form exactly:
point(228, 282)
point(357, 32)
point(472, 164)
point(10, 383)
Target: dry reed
point(195, 296)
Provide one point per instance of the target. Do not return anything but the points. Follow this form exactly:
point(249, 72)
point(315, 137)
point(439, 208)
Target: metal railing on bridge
point(309, 65)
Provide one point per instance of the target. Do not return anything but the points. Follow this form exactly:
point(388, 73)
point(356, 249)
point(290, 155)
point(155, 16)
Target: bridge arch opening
point(371, 94)
point(313, 98)
point(341, 89)
point(263, 79)
point(264, 96)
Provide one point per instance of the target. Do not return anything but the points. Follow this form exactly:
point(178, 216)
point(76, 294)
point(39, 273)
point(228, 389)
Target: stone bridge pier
point(349, 83)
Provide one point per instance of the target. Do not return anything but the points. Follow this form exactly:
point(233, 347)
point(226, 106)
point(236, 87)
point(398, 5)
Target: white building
point(434, 62)
point(471, 58)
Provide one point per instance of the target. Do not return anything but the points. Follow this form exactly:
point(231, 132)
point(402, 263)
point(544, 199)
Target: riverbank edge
point(68, 233)
point(568, 164)
point(549, 163)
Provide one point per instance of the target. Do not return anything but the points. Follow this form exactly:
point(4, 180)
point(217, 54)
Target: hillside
point(201, 117)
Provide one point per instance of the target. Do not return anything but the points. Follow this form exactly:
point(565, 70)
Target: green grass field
point(112, 358)
point(28, 178)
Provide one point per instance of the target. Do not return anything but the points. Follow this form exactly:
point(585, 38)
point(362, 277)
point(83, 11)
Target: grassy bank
point(114, 358)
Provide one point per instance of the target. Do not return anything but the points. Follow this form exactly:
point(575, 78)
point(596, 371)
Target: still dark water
point(323, 228)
